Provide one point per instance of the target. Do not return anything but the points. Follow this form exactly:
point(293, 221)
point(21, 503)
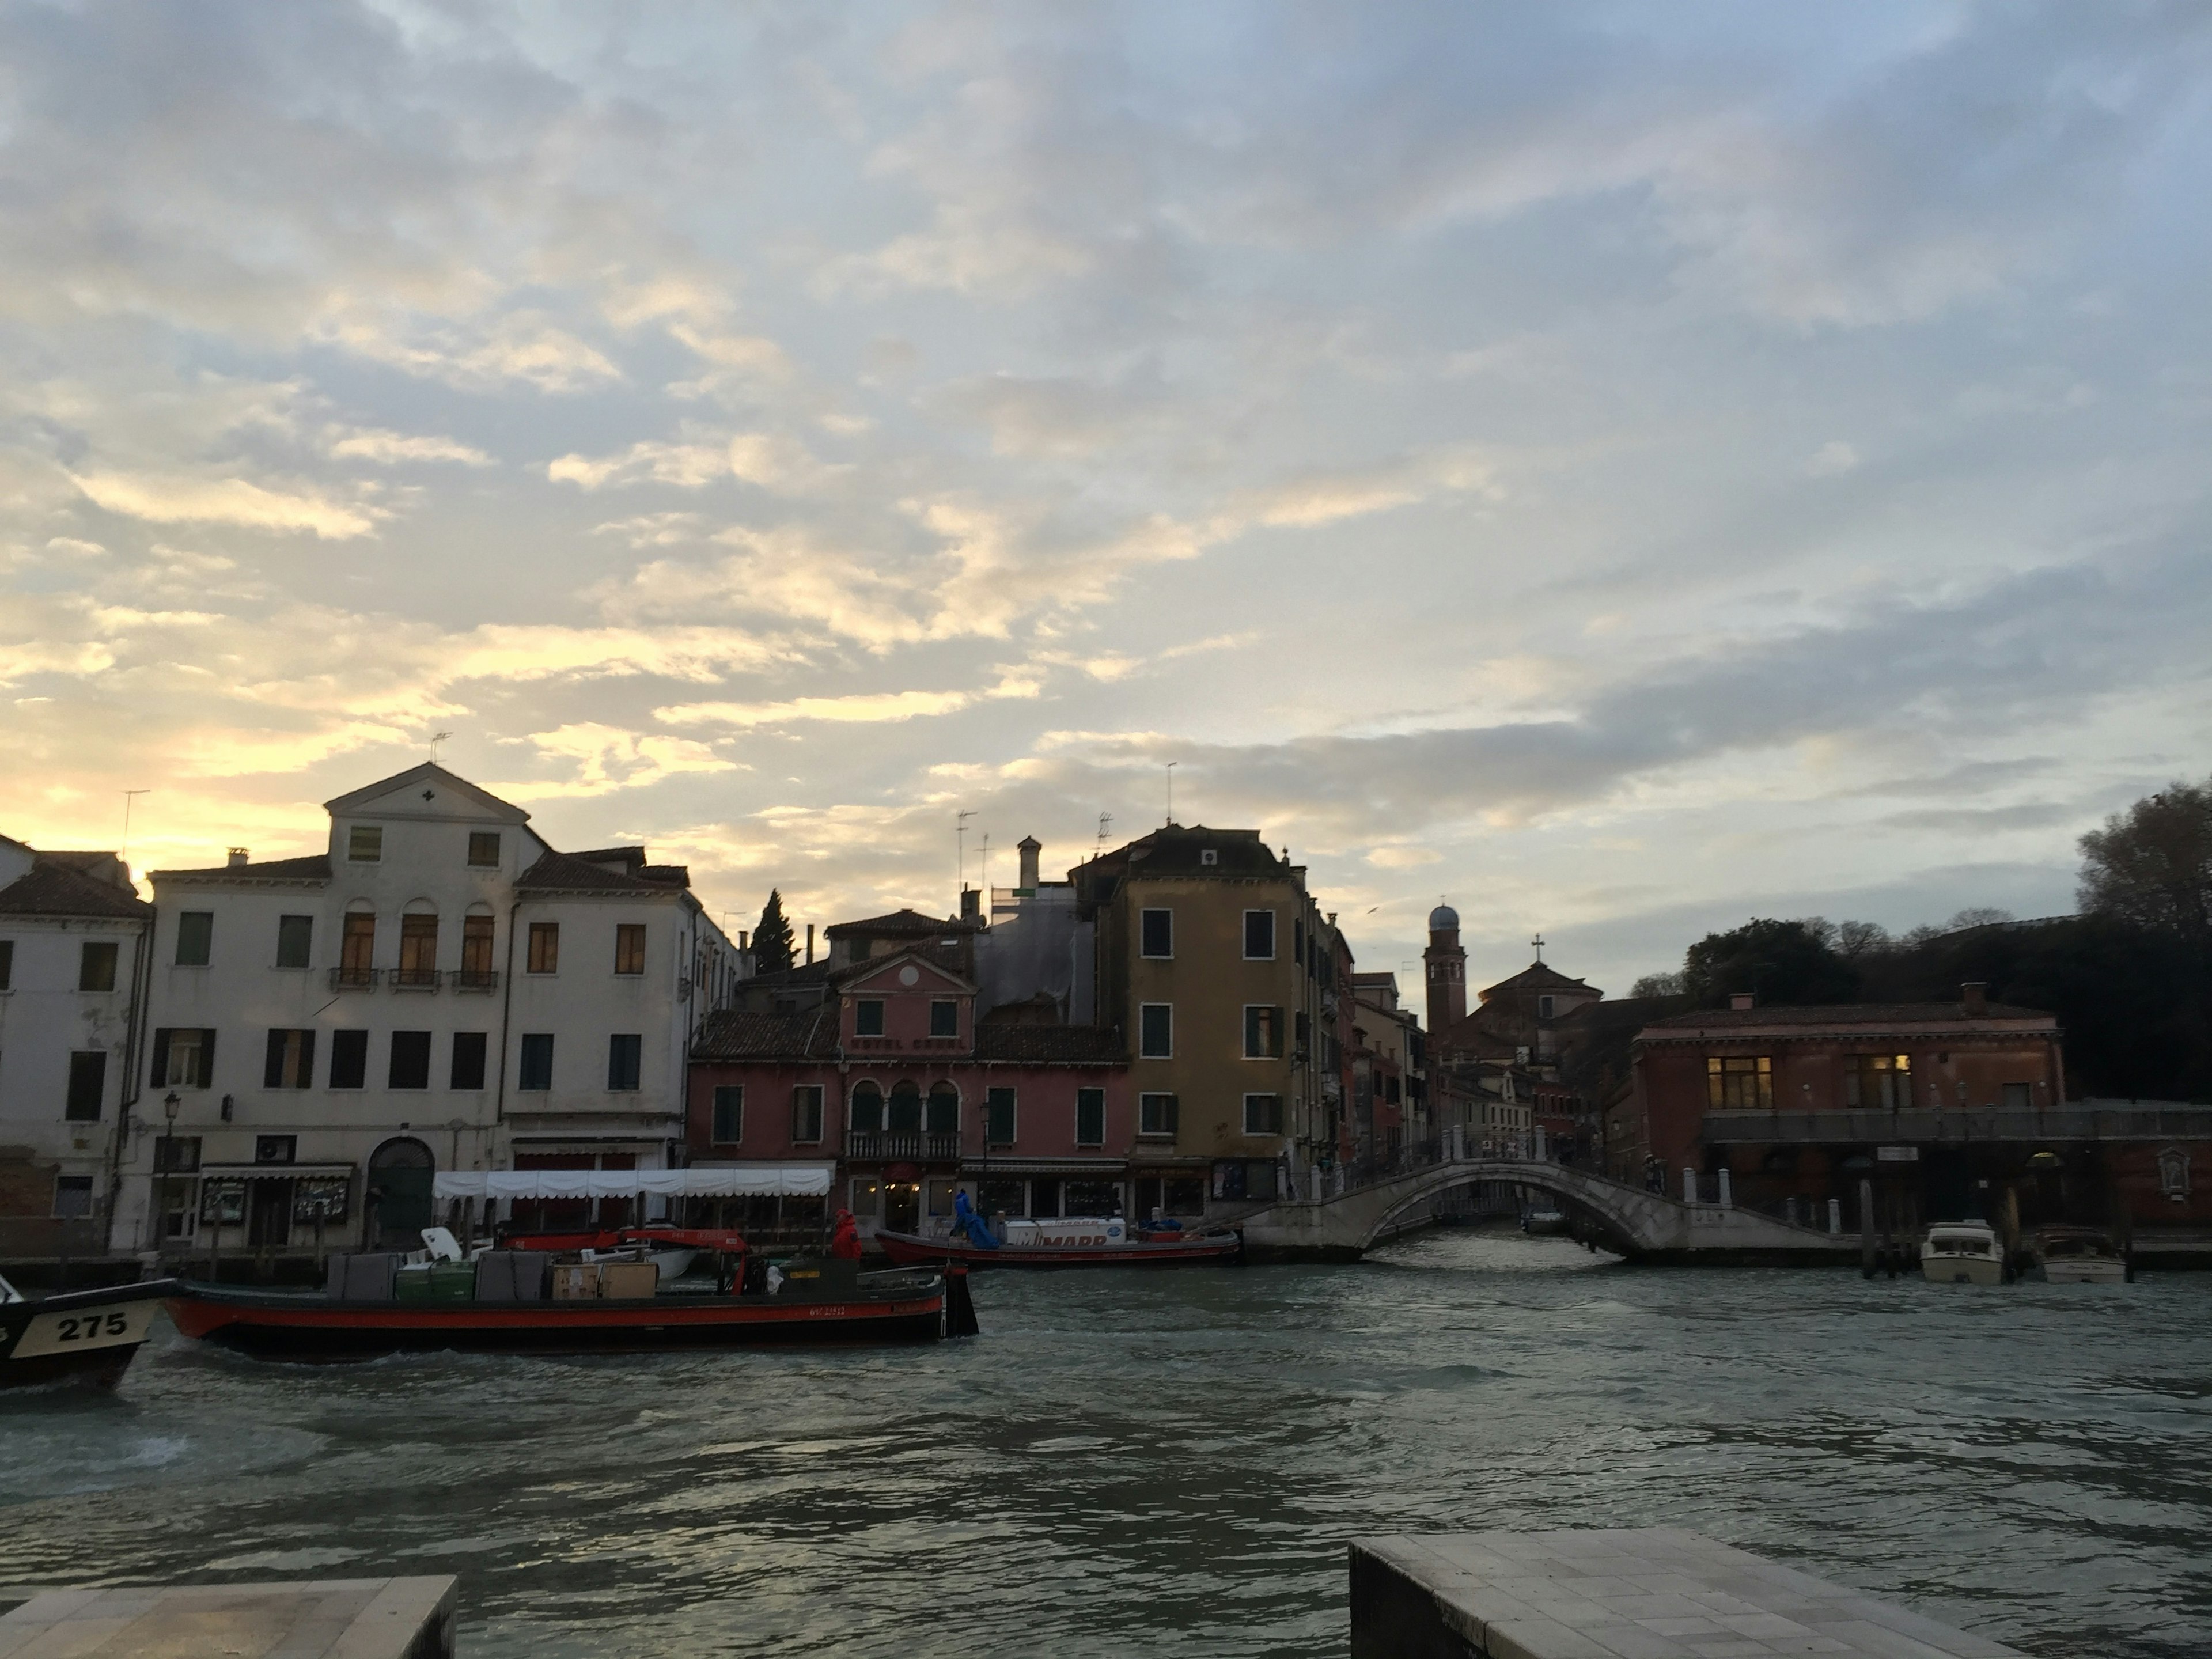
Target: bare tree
point(2151, 865)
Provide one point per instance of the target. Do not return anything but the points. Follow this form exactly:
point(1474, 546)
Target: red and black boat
point(803, 1301)
point(1153, 1250)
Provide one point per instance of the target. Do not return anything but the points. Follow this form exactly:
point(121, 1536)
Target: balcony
point(902, 1146)
point(474, 979)
point(355, 979)
point(2076, 1120)
point(412, 979)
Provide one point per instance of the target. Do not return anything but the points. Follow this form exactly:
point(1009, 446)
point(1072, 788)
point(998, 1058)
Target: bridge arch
point(1583, 1195)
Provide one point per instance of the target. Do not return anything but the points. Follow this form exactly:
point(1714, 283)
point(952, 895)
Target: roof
point(56, 890)
point(1538, 976)
point(731, 1034)
point(568, 872)
point(428, 773)
point(314, 867)
point(902, 923)
point(1177, 849)
point(1044, 1045)
point(1841, 1015)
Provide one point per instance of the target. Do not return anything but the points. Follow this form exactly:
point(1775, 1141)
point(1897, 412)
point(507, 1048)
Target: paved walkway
point(314, 1618)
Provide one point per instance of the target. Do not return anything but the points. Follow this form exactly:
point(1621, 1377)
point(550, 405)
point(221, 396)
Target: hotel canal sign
point(1897, 1154)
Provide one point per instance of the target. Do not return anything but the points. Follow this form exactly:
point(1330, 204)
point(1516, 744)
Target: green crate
point(412, 1285)
point(454, 1281)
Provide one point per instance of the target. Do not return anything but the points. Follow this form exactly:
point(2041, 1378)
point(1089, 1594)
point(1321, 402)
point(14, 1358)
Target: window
point(1544, 1006)
point(1263, 1031)
point(942, 1115)
point(807, 1112)
point(7, 963)
point(349, 1060)
point(357, 947)
point(1155, 1030)
point(867, 1110)
point(1873, 1083)
point(544, 947)
point(182, 1057)
point(1739, 1082)
point(291, 1062)
point(72, 1197)
point(195, 937)
point(476, 951)
point(1297, 941)
point(484, 849)
point(176, 1155)
point(536, 1071)
point(96, 966)
point(629, 947)
point(295, 940)
point(471, 1049)
point(1090, 1117)
point(625, 1050)
point(998, 1116)
point(1259, 935)
point(1263, 1114)
point(276, 1149)
point(729, 1123)
point(87, 1085)
point(1156, 1116)
point(418, 950)
point(1091, 1198)
point(2019, 1096)
point(868, 1016)
point(410, 1061)
point(1209, 855)
point(905, 1116)
point(1157, 928)
point(944, 1017)
point(365, 844)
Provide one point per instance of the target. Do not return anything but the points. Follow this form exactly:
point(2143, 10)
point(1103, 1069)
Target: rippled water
point(1171, 1462)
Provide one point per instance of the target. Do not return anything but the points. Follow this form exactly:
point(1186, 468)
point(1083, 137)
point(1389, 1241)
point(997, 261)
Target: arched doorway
point(399, 1179)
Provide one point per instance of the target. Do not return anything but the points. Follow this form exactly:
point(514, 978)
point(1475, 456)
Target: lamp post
point(170, 1103)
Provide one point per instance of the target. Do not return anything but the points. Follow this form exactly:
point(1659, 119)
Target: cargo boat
point(83, 1337)
point(1096, 1250)
point(807, 1301)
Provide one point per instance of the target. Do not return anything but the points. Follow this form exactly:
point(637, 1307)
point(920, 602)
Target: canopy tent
point(735, 1181)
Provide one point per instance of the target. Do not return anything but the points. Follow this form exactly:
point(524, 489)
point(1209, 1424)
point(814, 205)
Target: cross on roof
point(1538, 943)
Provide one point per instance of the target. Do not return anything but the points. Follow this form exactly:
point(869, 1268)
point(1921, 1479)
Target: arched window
point(418, 944)
point(906, 1107)
point(944, 1117)
point(867, 1110)
point(357, 943)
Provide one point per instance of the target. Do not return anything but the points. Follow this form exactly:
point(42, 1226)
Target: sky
point(1628, 468)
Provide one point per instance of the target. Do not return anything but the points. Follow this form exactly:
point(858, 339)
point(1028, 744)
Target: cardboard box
point(630, 1281)
point(576, 1282)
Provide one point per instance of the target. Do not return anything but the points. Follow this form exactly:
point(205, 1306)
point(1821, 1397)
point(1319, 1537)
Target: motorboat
point(1104, 1243)
point(1543, 1220)
point(84, 1337)
point(1962, 1253)
point(2079, 1256)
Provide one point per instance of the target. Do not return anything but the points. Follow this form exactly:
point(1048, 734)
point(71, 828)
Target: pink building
point(893, 1080)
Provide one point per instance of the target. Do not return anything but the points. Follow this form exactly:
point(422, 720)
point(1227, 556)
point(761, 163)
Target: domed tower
point(1447, 970)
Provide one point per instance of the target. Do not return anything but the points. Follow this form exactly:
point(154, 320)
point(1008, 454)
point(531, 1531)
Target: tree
point(772, 937)
point(1783, 961)
point(1658, 985)
point(2152, 865)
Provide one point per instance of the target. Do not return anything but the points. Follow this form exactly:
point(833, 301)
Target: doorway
point(268, 1213)
point(400, 1173)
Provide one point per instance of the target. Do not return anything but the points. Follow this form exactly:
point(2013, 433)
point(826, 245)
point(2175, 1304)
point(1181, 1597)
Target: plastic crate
point(412, 1285)
point(454, 1281)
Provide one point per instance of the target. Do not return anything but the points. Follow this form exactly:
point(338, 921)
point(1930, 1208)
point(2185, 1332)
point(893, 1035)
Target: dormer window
point(365, 844)
point(944, 1017)
point(868, 1016)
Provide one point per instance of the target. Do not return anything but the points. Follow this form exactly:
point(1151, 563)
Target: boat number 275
point(84, 1327)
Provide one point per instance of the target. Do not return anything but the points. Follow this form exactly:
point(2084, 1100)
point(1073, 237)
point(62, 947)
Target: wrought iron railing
point(354, 979)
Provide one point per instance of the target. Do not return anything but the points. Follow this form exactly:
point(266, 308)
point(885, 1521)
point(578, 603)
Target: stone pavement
point(1651, 1593)
point(315, 1618)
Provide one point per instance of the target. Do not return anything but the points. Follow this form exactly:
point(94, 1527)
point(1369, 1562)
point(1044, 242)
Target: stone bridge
point(1628, 1221)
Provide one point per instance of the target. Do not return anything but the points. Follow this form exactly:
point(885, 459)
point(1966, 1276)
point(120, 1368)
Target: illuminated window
point(1739, 1082)
point(1878, 1082)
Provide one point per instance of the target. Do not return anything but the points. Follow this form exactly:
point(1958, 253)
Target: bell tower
point(1446, 963)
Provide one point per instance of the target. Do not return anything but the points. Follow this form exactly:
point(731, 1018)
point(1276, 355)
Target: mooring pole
point(1866, 1229)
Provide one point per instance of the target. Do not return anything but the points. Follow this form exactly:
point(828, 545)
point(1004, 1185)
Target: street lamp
point(168, 1158)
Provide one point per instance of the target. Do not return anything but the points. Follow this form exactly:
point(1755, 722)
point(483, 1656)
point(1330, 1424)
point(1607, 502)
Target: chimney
point(237, 857)
point(1975, 993)
point(1029, 848)
point(1743, 998)
point(971, 904)
point(809, 941)
point(745, 939)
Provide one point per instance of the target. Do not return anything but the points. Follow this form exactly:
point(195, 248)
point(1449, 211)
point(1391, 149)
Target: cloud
point(863, 708)
point(172, 499)
point(774, 461)
point(394, 448)
point(607, 758)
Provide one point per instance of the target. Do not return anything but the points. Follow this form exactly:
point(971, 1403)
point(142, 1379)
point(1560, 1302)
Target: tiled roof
point(732, 1035)
point(1537, 977)
point(564, 873)
point(902, 923)
point(1839, 1015)
point(1049, 1044)
point(314, 867)
point(55, 890)
point(1178, 850)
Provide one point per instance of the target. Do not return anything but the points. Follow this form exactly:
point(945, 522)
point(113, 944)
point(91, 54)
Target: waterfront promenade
point(1176, 1464)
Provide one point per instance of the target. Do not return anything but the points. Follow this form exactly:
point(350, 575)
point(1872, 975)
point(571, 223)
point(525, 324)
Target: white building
point(72, 950)
point(439, 991)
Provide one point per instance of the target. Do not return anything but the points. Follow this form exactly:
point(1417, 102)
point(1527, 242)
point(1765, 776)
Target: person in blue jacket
point(965, 1220)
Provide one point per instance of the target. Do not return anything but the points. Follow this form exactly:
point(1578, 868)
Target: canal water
point(1169, 1463)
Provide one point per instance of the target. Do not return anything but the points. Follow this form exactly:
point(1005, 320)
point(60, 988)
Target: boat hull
point(1961, 1269)
point(909, 1249)
point(2100, 1270)
point(307, 1327)
point(82, 1338)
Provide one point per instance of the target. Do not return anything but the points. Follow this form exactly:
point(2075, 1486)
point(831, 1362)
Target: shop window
point(1089, 1198)
point(1002, 1197)
point(1739, 1082)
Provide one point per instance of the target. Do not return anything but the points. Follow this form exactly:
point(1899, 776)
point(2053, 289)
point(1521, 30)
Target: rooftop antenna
point(129, 799)
point(1104, 818)
point(437, 738)
point(960, 836)
point(1538, 943)
point(1171, 767)
point(986, 876)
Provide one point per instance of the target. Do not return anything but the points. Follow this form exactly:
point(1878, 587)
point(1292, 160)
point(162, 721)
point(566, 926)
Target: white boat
point(1962, 1253)
point(2080, 1255)
point(1543, 1219)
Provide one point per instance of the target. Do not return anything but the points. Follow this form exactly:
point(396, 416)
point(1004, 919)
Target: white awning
point(729, 1180)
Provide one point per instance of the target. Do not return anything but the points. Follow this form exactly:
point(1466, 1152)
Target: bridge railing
point(1453, 1146)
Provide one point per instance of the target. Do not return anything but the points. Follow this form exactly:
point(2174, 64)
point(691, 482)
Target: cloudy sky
point(1628, 467)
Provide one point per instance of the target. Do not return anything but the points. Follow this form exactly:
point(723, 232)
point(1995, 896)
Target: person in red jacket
point(845, 1237)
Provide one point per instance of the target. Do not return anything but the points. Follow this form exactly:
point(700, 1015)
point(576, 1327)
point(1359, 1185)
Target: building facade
point(439, 990)
point(73, 960)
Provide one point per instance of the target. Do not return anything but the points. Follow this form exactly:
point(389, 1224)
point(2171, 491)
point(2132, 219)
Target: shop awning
point(271, 1171)
point(728, 1180)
